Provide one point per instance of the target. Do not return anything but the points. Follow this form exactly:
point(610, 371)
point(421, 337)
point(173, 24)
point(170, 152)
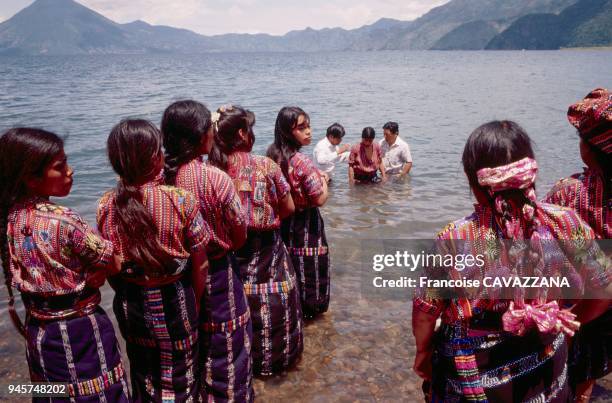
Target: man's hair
point(392, 127)
point(335, 130)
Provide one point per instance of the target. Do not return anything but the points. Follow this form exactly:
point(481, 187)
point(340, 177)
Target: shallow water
point(359, 350)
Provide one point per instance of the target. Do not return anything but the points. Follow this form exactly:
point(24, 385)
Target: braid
point(173, 162)
point(138, 227)
point(8, 277)
point(219, 153)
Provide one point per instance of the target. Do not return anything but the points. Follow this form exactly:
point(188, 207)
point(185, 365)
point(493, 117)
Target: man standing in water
point(396, 152)
point(328, 151)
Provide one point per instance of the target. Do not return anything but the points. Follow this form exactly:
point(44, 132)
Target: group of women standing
point(214, 264)
point(516, 349)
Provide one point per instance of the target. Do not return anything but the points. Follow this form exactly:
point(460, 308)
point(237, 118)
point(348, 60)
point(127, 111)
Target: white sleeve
point(406, 154)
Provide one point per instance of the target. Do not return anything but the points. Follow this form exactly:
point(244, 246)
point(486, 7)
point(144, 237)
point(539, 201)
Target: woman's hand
point(422, 364)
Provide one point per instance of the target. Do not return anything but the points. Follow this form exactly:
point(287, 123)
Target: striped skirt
point(489, 366)
point(225, 335)
point(269, 283)
point(160, 327)
point(82, 352)
point(304, 236)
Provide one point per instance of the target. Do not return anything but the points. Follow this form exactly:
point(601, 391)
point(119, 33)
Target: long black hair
point(230, 120)
point(134, 149)
point(184, 125)
point(492, 145)
point(24, 153)
point(285, 144)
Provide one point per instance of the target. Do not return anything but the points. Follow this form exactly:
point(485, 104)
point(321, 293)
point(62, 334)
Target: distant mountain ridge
point(586, 23)
point(67, 27)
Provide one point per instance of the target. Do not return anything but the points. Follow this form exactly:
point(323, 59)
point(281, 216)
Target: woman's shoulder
point(265, 164)
point(47, 209)
point(299, 160)
point(459, 229)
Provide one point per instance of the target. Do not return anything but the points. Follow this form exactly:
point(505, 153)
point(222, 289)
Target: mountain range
point(57, 27)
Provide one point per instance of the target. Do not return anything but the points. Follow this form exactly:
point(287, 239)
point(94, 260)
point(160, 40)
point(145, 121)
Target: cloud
point(251, 16)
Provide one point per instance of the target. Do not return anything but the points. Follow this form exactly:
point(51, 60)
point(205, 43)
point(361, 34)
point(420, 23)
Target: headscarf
point(592, 116)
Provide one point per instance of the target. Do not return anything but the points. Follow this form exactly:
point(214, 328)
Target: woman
point(58, 264)
point(225, 328)
point(588, 193)
point(265, 267)
point(366, 159)
point(507, 348)
point(160, 234)
point(303, 232)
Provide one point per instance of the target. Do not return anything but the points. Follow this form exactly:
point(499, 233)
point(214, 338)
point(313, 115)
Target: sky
point(275, 17)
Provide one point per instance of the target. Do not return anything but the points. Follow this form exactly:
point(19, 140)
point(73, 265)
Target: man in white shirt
point(396, 152)
point(328, 151)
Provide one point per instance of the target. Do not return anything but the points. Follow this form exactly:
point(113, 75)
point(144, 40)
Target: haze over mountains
point(57, 27)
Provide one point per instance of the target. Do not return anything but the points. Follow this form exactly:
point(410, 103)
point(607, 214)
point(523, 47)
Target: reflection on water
point(359, 350)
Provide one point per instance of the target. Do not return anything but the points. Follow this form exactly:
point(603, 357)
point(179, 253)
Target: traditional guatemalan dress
point(474, 358)
point(157, 315)
point(365, 168)
point(304, 234)
point(225, 320)
point(591, 355)
point(265, 266)
point(69, 337)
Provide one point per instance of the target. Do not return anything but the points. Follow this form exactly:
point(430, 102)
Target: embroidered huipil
point(305, 181)
point(582, 263)
point(584, 193)
point(219, 202)
point(52, 249)
point(181, 229)
point(360, 162)
point(261, 185)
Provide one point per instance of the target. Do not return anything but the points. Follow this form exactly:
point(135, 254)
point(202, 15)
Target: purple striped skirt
point(269, 284)
point(225, 335)
point(82, 352)
point(304, 235)
point(160, 327)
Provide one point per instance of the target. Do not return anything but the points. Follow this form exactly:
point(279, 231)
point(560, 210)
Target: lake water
point(359, 350)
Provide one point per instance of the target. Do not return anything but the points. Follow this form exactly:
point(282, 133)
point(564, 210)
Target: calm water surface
point(359, 350)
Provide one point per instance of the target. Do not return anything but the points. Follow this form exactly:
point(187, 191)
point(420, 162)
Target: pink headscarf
point(545, 316)
point(519, 175)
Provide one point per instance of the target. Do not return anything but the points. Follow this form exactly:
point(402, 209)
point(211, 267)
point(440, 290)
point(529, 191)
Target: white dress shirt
point(325, 155)
point(395, 156)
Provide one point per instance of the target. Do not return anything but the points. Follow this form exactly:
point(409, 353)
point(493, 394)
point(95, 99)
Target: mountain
point(66, 27)
point(428, 29)
point(586, 23)
point(472, 35)
point(61, 26)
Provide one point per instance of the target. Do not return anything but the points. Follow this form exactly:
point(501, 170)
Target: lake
point(359, 350)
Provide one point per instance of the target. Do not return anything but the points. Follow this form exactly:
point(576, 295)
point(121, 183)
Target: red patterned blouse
point(261, 185)
point(52, 248)
point(181, 229)
point(219, 203)
point(584, 192)
point(359, 161)
point(581, 263)
point(305, 181)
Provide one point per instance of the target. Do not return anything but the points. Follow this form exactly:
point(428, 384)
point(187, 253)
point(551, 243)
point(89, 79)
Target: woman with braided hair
point(58, 264)
point(265, 266)
point(507, 347)
point(225, 321)
point(161, 237)
point(589, 193)
point(304, 231)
